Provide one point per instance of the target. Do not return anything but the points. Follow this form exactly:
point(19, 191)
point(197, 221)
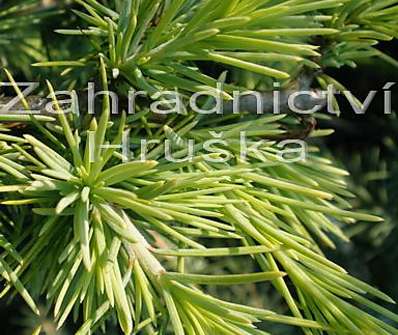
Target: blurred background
point(365, 145)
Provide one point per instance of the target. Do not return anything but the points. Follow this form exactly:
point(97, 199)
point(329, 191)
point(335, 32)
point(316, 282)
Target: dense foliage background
point(364, 145)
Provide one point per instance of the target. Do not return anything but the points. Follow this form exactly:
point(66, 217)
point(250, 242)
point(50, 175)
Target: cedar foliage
point(113, 241)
